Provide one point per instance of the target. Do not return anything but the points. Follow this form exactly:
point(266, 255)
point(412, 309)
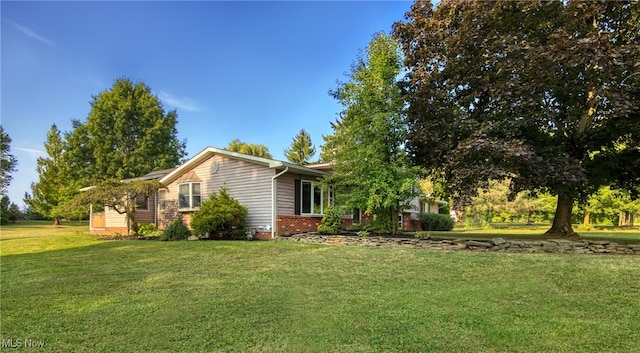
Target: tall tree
point(546, 93)
point(54, 186)
point(8, 162)
point(372, 169)
point(127, 134)
point(249, 148)
point(301, 150)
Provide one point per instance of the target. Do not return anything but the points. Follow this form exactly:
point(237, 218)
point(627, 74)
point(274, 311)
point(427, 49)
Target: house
point(282, 198)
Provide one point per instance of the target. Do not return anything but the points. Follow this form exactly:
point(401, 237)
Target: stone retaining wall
point(495, 244)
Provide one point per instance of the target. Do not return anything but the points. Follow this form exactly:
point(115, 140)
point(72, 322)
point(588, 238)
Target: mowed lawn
point(77, 293)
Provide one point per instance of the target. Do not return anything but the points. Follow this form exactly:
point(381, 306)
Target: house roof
point(156, 174)
point(212, 151)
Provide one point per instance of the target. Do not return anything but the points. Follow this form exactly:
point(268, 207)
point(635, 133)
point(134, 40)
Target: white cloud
point(179, 103)
point(32, 152)
point(32, 34)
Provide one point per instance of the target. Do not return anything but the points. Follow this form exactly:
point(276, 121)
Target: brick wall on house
point(410, 225)
point(262, 235)
point(288, 225)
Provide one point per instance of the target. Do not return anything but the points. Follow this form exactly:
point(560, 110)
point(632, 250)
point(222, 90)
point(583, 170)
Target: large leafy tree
point(8, 162)
point(545, 93)
point(372, 169)
point(249, 148)
point(301, 150)
point(127, 134)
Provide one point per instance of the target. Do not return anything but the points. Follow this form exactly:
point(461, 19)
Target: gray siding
point(286, 194)
point(249, 183)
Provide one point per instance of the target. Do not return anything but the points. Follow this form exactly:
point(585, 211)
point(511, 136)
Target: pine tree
point(301, 150)
point(54, 186)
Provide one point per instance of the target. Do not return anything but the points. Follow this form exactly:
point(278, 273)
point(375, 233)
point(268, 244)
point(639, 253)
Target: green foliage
point(56, 185)
point(149, 230)
point(423, 235)
point(9, 212)
point(605, 205)
point(436, 222)
point(301, 150)
point(371, 168)
point(249, 148)
point(221, 216)
point(177, 230)
point(362, 233)
point(8, 161)
point(127, 134)
point(331, 222)
point(542, 92)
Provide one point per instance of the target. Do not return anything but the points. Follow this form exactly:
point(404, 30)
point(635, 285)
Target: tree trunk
point(56, 221)
point(587, 218)
point(394, 221)
point(561, 226)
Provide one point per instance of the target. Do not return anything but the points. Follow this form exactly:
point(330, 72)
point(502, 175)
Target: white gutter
point(273, 201)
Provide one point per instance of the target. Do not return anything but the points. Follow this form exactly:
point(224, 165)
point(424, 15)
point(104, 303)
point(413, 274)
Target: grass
point(78, 294)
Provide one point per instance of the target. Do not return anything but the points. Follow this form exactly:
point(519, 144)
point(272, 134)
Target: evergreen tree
point(301, 150)
point(54, 186)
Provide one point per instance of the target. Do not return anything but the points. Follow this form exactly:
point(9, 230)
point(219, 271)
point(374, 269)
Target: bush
point(149, 230)
point(177, 230)
point(331, 222)
point(436, 222)
point(221, 216)
point(423, 235)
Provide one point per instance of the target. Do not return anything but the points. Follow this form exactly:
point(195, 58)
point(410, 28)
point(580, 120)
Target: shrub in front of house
point(331, 222)
point(220, 217)
point(436, 222)
point(177, 230)
point(149, 230)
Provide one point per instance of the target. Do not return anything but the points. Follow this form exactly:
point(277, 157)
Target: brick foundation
point(109, 231)
point(262, 236)
point(288, 225)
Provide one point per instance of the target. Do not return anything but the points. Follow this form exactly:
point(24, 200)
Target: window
point(356, 216)
point(315, 198)
point(400, 221)
point(142, 203)
point(189, 196)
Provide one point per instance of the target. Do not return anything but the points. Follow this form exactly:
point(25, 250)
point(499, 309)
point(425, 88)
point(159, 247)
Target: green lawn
point(80, 294)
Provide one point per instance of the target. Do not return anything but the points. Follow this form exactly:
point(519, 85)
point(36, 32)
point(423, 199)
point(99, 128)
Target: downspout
point(273, 201)
point(155, 209)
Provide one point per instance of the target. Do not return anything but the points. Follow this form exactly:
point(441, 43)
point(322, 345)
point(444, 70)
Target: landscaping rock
point(480, 244)
point(495, 244)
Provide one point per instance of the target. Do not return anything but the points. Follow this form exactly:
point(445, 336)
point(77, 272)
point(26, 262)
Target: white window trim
point(322, 191)
point(190, 197)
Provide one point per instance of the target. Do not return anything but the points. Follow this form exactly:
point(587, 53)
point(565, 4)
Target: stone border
point(560, 246)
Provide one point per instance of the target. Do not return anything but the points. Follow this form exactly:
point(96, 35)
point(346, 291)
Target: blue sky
point(256, 71)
